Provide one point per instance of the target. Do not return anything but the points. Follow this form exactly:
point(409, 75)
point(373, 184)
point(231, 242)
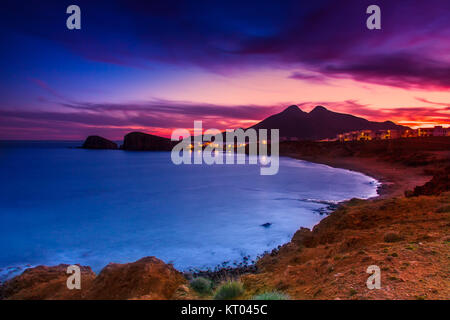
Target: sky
point(154, 66)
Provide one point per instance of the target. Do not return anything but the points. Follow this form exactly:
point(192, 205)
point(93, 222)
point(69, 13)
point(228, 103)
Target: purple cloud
point(159, 117)
point(325, 37)
point(405, 71)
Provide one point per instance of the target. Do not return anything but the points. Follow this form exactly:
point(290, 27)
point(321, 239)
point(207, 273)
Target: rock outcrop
point(46, 283)
point(138, 141)
point(303, 237)
point(97, 142)
point(438, 184)
point(147, 278)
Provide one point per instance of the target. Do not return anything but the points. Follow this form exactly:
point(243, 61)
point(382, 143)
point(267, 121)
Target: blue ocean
point(61, 204)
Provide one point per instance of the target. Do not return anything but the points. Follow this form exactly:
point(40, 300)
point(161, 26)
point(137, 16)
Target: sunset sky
point(154, 66)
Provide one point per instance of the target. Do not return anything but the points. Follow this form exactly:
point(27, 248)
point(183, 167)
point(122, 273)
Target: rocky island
point(139, 141)
point(97, 142)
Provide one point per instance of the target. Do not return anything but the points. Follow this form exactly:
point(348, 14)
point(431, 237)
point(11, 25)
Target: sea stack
point(138, 141)
point(97, 142)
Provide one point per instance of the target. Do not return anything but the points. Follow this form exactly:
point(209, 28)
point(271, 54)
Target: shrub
point(394, 254)
point(274, 295)
point(392, 237)
point(229, 290)
point(317, 292)
point(201, 285)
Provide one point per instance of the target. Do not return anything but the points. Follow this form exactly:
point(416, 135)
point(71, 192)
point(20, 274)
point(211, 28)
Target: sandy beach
point(395, 179)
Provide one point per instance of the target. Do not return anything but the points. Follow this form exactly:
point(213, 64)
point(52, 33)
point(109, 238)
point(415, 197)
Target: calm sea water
point(67, 205)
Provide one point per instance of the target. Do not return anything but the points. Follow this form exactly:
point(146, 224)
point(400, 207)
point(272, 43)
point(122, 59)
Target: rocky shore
point(405, 232)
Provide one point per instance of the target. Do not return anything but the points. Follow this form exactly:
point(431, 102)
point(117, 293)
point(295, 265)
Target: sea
point(62, 204)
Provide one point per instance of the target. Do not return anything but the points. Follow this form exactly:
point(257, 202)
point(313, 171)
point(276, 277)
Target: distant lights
point(211, 151)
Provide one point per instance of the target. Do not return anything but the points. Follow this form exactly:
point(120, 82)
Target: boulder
point(97, 142)
point(138, 141)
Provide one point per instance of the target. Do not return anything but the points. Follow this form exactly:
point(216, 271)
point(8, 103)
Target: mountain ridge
point(319, 123)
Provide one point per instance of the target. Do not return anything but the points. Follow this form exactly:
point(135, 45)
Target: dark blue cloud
point(327, 37)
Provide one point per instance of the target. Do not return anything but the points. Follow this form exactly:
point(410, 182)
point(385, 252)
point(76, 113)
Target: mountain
point(320, 123)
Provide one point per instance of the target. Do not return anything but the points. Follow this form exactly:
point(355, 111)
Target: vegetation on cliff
point(330, 261)
point(229, 290)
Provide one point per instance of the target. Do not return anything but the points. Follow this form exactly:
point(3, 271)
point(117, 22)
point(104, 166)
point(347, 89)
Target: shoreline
point(385, 189)
point(394, 179)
